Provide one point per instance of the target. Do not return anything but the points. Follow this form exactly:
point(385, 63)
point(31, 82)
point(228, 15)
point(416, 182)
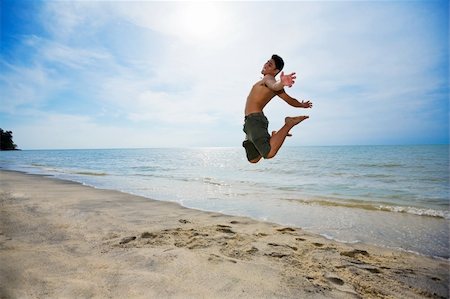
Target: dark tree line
point(6, 141)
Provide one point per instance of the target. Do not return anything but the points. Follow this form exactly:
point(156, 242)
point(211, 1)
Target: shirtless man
point(259, 144)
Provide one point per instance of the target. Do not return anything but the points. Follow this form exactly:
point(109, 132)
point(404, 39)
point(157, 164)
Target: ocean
point(390, 196)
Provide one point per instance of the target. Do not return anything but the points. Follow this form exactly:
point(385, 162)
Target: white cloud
point(172, 67)
point(192, 23)
point(68, 20)
point(26, 87)
point(69, 131)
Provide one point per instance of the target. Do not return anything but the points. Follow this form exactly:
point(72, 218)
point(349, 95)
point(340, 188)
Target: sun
point(200, 20)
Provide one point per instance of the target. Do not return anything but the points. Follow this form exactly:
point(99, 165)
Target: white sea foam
point(417, 211)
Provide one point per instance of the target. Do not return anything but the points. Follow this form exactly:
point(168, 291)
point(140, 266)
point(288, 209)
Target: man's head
point(273, 66)
point(279, 63)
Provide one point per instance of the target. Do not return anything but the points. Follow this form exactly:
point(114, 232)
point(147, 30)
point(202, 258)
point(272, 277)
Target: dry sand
point(60, 239)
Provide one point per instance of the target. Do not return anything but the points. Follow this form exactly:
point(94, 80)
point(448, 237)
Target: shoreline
point(264, 219)
point(326, 196)
point(378, 216)
point(61, 238)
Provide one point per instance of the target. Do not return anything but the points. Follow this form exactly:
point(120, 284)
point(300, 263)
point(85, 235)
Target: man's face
point(269, 68)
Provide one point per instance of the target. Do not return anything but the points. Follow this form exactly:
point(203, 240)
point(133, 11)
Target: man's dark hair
point(279, 63)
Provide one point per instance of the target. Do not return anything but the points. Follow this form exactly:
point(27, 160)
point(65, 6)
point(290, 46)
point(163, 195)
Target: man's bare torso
point(258, 98)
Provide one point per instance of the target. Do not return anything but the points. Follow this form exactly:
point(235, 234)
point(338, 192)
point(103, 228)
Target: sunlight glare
point(200, 20)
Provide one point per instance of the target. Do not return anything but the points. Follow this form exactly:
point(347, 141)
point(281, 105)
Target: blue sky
point(107, 74)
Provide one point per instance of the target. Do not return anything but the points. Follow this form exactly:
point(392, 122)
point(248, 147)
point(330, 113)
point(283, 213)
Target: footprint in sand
point(335, 280)
point(260, 235)
point(239, 252)
point(372, 269)
point(435, 279)
point(147, 235)
point(217, 258)
point(286, 229)
point(127, 240)
point(283, 245)
point(341, 285)
point(224, 229)
point(354, 253)
point(252, 251)
point(277, 254)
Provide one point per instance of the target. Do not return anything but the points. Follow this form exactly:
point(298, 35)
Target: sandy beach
point(60, 239)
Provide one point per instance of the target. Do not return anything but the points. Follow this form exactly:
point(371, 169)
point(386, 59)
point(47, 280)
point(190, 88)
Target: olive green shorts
point(257, 142)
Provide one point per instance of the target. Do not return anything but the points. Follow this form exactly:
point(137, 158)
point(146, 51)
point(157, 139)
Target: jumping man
point(259, 143)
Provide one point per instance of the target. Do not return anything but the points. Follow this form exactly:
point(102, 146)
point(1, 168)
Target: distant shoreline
point(218, 147)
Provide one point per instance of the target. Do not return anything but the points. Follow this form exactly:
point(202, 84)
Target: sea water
point(392, 196)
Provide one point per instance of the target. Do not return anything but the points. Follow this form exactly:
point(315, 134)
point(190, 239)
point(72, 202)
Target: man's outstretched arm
point(294, 102)
point(285, 80)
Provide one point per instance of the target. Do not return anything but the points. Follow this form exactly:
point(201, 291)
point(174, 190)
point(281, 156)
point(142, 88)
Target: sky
point(139, 74)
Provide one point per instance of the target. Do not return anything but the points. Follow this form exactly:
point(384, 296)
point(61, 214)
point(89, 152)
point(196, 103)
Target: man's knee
point(255, 160)
point(265, 150)
point(269, 156)
point(272, 153)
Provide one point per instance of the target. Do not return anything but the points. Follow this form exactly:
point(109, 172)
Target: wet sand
point(60, 239)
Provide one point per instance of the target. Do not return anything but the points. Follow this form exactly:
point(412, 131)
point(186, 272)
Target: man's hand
point(287, 80)
point(306, 104)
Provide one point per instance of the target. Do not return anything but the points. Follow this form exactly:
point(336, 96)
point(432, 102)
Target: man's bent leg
point(274, 132)
point(253, 156)
point(277, 139)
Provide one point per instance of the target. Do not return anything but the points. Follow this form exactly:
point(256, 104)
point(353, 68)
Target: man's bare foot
point(293, 121)
point(274, 132)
